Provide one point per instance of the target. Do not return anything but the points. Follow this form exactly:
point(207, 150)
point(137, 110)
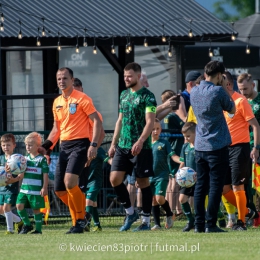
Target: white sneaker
point(156, 227)
point(169, 222)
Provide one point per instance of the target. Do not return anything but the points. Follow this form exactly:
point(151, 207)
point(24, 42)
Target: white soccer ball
point(3, 177)
point(186, 177)
point(17, 164)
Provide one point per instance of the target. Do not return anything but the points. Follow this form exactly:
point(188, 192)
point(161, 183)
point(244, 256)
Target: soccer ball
point(17, 164)
point(186, 177)
point(3, 177)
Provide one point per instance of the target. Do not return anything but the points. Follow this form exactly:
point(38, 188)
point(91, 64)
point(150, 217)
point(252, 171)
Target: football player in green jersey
point(34, 186)
point(8, 193)
point(162, 152)
point(131, 145)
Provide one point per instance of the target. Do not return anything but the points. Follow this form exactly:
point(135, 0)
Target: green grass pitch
point(112, 244)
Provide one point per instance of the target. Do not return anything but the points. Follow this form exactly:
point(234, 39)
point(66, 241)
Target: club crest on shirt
point(73, 108)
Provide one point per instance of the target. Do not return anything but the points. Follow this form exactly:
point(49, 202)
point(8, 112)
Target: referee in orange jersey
point(72, 111)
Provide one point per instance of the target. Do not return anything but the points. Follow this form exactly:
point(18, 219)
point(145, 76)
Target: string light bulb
point(233, 36)
point(94, 49)
point(169, 50)
point(20, 36)
point(210, 52)
point(247, 49)
point(126, 49)
point(43, 28)
point(38, 42)
point(163, 35)
point(113, 49)
point(145, 43)
point(129, 47)
point(247, 46)
point(2, 17)
point(59, 46)
point(77, 48)
point(2, 27)
point(164, 38)
point(190, 34)
point(85, 44)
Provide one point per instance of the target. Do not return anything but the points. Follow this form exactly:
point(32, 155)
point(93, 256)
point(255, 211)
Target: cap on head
point(192, 76)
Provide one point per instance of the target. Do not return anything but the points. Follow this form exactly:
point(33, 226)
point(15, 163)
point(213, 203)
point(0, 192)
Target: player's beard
point(132, 85)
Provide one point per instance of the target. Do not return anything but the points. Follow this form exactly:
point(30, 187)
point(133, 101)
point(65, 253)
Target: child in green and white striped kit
point(34, 186)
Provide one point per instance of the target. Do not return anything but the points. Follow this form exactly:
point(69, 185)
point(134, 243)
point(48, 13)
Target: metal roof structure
point(249, 27)
point(107, 19)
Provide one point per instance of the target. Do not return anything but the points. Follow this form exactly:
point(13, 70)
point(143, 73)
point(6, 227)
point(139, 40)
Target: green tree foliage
point(243, 8)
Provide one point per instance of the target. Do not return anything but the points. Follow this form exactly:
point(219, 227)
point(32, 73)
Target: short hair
point(68, 69)
point(199, 79)
point(8, 138)
point(133, 66)
point(229, 77)
point(244, 76)
point(166, 94)
point(214, 67)
point(35, 136)
point(189, 126)
point(77, 82)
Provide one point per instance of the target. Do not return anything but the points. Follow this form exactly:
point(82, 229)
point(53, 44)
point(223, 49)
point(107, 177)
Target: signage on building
point(216, 55)
point(76, 60)
point(237, 71)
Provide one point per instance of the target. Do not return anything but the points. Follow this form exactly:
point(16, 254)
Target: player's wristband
point(48, 152)
point(47, 144)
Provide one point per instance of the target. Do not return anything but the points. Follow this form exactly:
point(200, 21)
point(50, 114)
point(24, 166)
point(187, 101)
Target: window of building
point(24, 71)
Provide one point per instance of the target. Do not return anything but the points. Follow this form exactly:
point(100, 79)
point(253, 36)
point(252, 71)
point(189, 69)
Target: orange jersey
point(72, 114)
point(91, 124)
point(238, 123)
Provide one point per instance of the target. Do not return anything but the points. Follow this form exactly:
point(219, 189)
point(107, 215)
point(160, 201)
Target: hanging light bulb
point(94, 49)
point(2, 17)
point(77, 48)
point(190, 33)
point(126, 49)
point(20, 36)
point(233, 36)
point(38, 42)
point(113, 49)
point(2, 27)
point(145, 43)
point(43, 32)
point(210, 52)
point(164, 38)
point(247, 49)
point(85, 44)
point(59, 46)
point(129, 47)
point(170, 50)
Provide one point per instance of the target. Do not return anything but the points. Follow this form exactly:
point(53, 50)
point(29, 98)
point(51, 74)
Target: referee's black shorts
point(142, 163)
point(72, 159)
point(239, 161)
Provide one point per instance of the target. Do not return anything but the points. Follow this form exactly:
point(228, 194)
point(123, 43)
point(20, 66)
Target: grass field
point(112, 244)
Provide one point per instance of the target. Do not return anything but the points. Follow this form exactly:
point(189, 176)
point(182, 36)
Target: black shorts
point(142, 163)
point(188, 191)
point(72, 159)
point(239, 164)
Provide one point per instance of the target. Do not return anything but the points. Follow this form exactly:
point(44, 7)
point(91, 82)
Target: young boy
point(34, 186)
point(187, 158)
point(8, 193)
point(94, 185)
point(161, 152)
